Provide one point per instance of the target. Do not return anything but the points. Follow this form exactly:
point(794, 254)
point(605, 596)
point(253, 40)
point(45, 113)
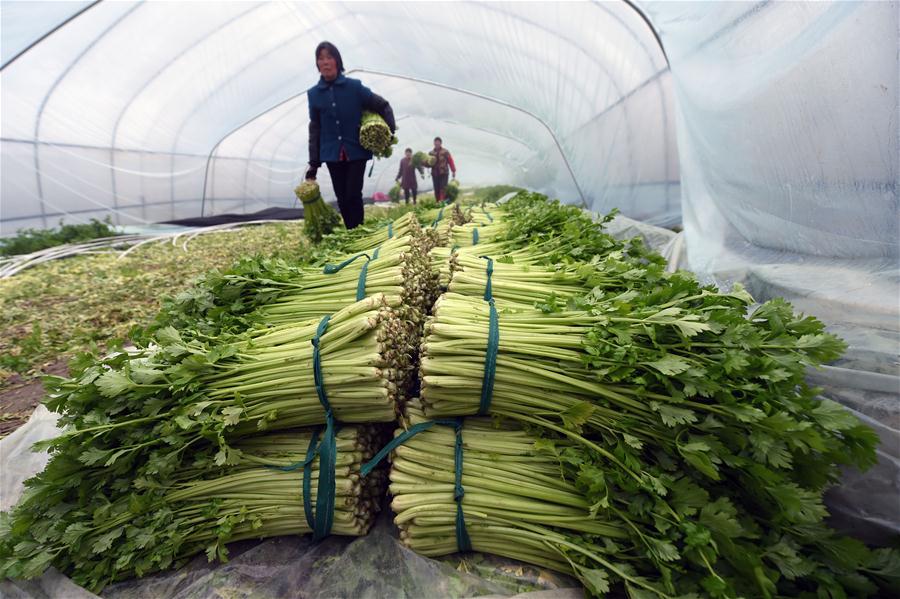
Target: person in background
point(439, 169)
point(406, 176)
point(336, 104)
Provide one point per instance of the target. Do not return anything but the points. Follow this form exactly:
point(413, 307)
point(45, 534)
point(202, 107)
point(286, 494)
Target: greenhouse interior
point(636, 332)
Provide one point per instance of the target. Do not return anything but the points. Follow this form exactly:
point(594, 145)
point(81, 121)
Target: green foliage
point(695, 426)
point(395, 193)
point(492, 193)
point(27, 241)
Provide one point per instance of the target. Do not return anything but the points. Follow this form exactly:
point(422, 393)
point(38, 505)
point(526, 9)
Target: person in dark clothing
point(442, 162)
point(336, 104)
point(406, 176)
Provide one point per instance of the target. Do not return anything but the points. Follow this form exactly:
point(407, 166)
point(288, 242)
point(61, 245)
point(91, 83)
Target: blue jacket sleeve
point(375, 103)
point(315, 127)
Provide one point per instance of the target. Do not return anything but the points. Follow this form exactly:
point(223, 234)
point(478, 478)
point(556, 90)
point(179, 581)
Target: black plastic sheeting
point(273, 213)
point(223, 219)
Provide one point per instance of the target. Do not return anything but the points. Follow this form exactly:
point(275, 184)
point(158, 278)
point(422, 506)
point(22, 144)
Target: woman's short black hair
point(439, 139)
point(332, 49)
point(407, 150)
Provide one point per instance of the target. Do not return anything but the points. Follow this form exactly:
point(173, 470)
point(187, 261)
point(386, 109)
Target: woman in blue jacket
point(336, 104)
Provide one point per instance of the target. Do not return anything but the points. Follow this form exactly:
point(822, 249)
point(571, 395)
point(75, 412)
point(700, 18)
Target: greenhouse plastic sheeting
point(154, 111)
point(787, 120)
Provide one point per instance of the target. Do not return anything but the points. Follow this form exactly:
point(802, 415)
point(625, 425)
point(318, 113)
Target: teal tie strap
point(463, 542)
point(324, 516)
point(330, 269)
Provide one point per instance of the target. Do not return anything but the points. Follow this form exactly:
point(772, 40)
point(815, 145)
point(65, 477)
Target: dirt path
point(21, 395)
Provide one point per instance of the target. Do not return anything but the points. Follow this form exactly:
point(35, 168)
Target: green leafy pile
point(137, 421)
point(395, 193)
point(27, 241)
point(694, 430)
point(197, 507)
point(144, 427)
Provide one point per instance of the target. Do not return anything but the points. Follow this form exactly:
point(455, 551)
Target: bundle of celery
point(440, 220)
point(201, 506)
point(319, 219)
point(524, 284)
point(452, 190)
point(375, 135)
point(456, 213)
point(395, 193)
point(562, 234)
point(518, 285)
point(264, 292)
point(135, 421)
point(469, 234)
point(401, 271)
point(515, 503)
point(485, 213)
point(422, 159)
point(693, 424)
point(368, 237)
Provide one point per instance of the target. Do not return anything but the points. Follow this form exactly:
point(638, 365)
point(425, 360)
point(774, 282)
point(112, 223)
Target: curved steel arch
point(63, 75)
point(231, 77)
point(628, 2)
point(653, 30)
point(47, 34)
point(591, 58)
point(265, 131)
point(656, 76)
point(151, 79)
point(407, 78)
point(600, 65)
point(571, 42)
point(290, 40)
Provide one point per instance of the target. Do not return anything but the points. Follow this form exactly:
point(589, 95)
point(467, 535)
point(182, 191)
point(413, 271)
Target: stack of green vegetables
point(319, 219)
point(368, 237)
point(375, 135)
point(647, 434)
point(686, 424)
point(483, 213)
point(198, 507)
point(137, 422)
point(516, 504)
point(401, 270)
point(262, 292)
point(156, 458)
